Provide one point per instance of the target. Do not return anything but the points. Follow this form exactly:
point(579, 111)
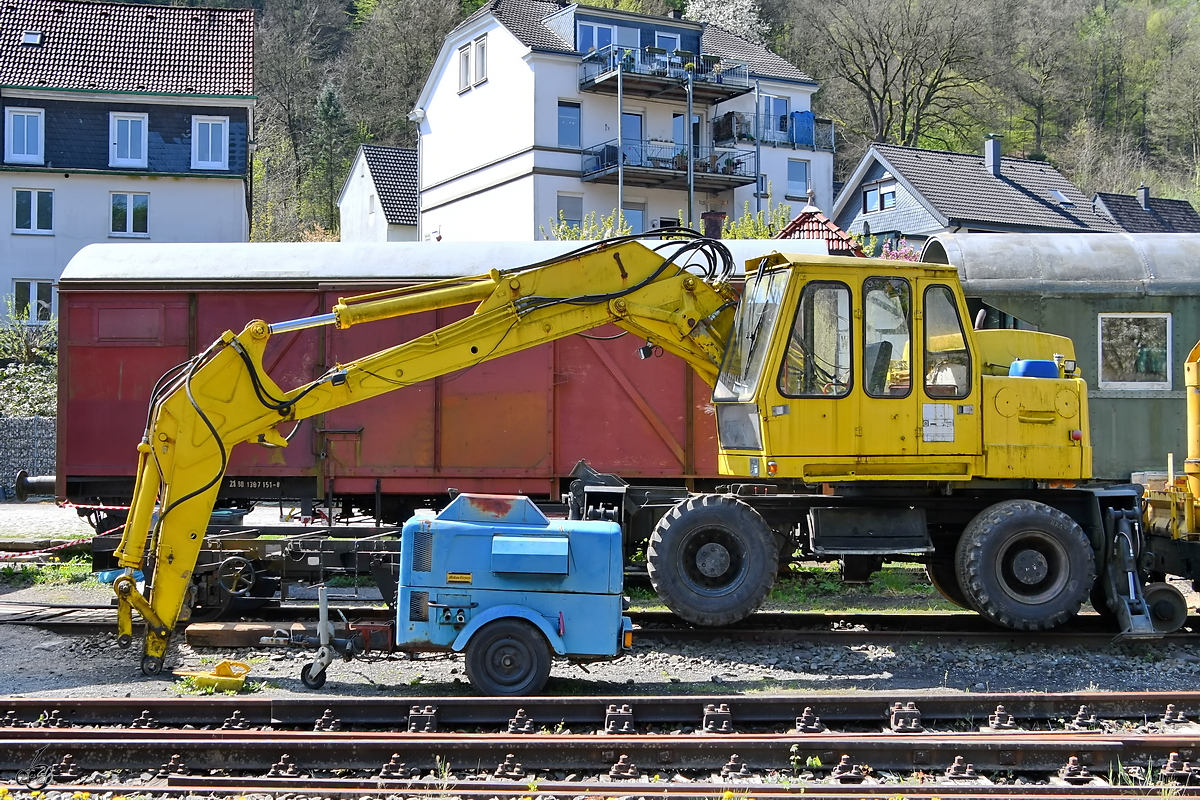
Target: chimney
point(675, 13)
point(714, 221)
point(1143, 196)
point(991, 153)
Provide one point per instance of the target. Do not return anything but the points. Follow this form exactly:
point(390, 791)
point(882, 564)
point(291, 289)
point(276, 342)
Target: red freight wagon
point(129, 312)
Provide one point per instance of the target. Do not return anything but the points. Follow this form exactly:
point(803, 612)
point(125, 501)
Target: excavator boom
point(223, 396)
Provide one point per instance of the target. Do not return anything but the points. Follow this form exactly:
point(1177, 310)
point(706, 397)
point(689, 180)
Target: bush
point(29, 390)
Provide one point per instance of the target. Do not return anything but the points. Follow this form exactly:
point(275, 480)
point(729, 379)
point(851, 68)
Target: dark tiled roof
point(394, 170)
point(760, 60)
point(1163, 216)
point(523, 18)
point(128, 48)
point(810, 223)
point(963, 191)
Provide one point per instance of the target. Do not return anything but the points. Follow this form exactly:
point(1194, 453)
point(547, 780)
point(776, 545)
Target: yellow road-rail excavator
point(860, 382)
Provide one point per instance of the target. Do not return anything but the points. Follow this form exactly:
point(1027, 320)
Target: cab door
point(886, 420)
point(945, 374)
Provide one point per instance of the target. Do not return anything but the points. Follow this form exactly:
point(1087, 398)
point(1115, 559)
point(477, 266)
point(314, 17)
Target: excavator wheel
point(944, 577)
point(1025, 565)
point(712, 559)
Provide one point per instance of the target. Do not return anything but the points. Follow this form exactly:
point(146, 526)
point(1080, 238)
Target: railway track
point(1033, 745)
point(763, 626)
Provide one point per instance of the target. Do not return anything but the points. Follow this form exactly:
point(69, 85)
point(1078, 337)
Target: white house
point(121, 123)
point(378, 202)
point(533, 108)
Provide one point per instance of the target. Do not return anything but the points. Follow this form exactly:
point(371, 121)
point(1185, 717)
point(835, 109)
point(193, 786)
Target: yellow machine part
point(227, 676)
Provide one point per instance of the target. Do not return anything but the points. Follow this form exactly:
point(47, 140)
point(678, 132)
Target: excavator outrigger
point(919, 436)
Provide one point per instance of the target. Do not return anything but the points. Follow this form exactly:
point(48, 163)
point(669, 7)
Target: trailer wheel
point(944, 577)
point(712, 559)
point(1025, 565)
point(508, 658)
point(309, 679)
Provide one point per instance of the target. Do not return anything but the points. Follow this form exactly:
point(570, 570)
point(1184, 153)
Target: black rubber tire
point(700, 536)
point(1039, 541)
point(508, 658)
point(944, 577)
point(310, 680)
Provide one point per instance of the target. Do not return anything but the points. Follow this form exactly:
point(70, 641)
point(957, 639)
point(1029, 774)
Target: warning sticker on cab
point(458, 577)
point(937, 422)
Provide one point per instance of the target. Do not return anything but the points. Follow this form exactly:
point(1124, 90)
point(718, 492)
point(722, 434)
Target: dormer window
point(31, 38)
point(594, 37)
point(879, 197)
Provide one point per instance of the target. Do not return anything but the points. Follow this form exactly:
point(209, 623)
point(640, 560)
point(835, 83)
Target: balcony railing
point(655, 62)
point(650, 163)
point(797, 129)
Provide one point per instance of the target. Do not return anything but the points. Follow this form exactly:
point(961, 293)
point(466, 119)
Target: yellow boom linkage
point(224, 396)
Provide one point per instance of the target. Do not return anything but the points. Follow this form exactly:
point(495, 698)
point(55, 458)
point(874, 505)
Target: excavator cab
point(844, 369)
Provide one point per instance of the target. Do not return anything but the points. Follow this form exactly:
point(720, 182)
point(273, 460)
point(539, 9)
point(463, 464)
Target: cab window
point(887, 326)
point(818, 357)
point(947, 360)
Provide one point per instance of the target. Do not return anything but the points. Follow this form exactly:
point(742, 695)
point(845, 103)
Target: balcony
point(798, 130)
point(663, 165)
point(653, 72)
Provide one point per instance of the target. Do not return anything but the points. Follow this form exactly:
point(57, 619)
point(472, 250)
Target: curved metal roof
point(310, 263)
point(1047, 264)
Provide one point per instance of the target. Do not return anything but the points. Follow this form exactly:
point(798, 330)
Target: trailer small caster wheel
point(311, 680)
point(124, 640)
point(151, 665)
point(1168, 607)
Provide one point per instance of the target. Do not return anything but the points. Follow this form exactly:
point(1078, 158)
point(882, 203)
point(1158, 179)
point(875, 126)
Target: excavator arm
point(223, 396)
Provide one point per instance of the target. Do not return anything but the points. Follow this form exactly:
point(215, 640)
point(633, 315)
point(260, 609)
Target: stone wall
point(26, 443)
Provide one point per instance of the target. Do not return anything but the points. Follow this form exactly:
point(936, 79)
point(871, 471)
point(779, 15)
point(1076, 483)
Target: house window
point(570, 208)
point(775, 118)
point(871, 200)
point(797, 178)
point(635, 216)
point(481, 59)
point(764, 186)
point(33, 300)
point(879, 198)
point(127, 137)
point(210, 142)
point(33, 211)
point(1135, 351)
point(464, 67)
point(23, 143)
point(130, 214)
point(568, 124)
point(594, 37)
point(667, 41)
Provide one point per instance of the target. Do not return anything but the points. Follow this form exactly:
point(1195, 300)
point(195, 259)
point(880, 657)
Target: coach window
point(887, 334)
point(818, 357)
point(1135, 351)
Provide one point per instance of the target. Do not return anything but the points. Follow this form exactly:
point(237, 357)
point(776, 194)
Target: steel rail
point(582, 712)
point(331, 750)
point(185, 787)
